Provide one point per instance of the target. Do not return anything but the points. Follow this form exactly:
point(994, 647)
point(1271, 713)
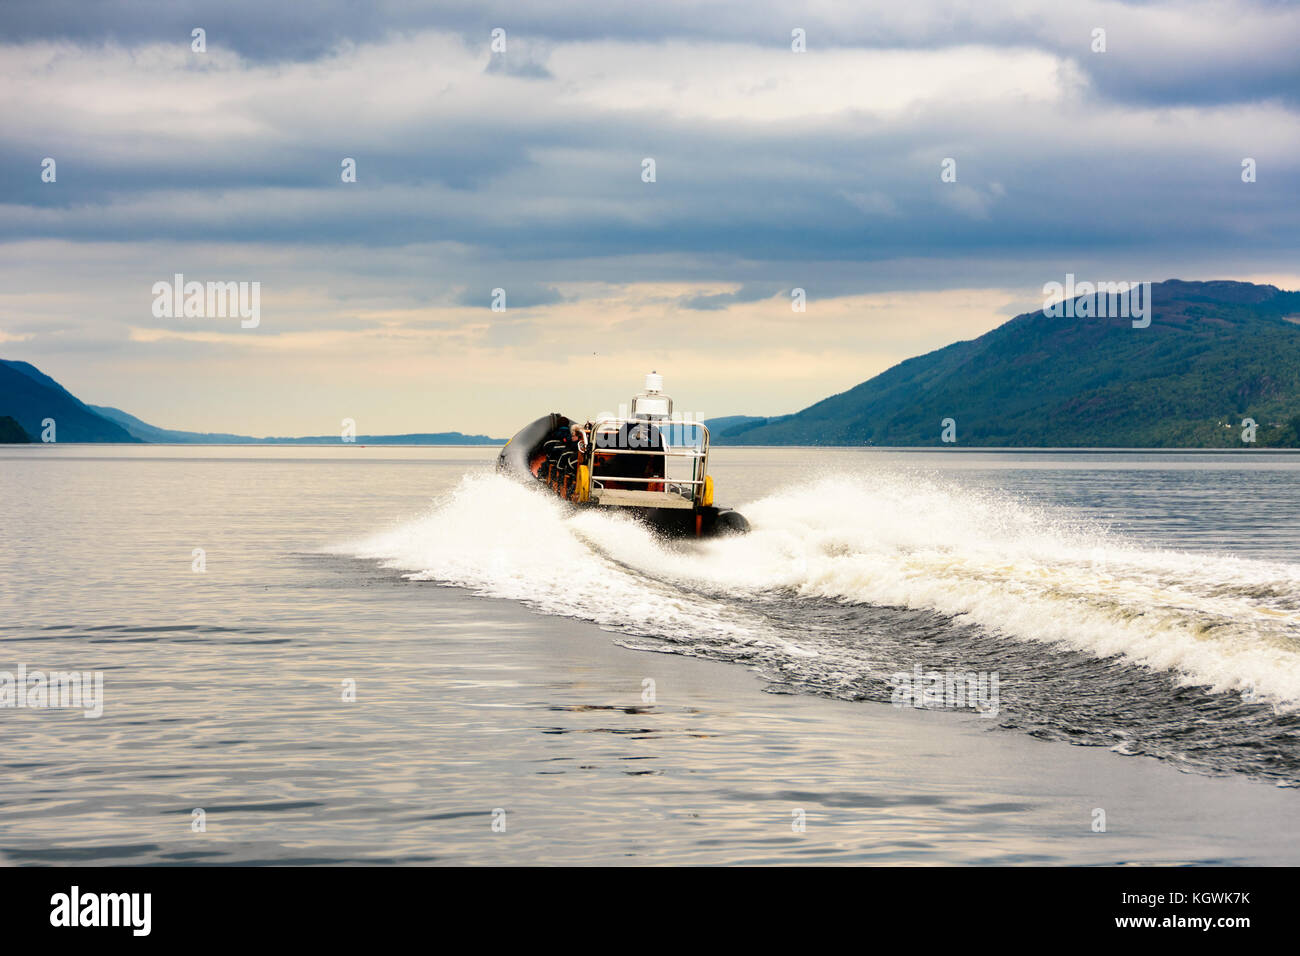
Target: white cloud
point(752, 84)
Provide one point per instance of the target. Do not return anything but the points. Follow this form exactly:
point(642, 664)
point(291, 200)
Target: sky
point(523, 168)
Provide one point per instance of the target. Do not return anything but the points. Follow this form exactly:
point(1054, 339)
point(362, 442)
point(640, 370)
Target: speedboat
point(644, 463)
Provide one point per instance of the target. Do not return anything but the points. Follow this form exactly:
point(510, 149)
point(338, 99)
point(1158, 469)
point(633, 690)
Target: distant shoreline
point(256, 444)
point(967, 449)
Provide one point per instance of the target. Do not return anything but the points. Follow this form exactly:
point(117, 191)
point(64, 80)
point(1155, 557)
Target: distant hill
point(418, 438)
point(725, 424)
point(29, 396)
point(11, 433)
point(149, 433)
point(1214, 354)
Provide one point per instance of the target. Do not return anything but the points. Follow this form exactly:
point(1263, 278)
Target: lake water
point(598, 695)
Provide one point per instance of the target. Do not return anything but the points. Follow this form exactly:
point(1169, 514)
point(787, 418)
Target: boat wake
point(847, 581)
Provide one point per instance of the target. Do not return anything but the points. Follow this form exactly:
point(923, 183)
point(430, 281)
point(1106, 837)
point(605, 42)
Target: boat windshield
point(652, 406)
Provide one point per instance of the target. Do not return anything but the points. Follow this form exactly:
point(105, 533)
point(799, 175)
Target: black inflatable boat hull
point(516, 457)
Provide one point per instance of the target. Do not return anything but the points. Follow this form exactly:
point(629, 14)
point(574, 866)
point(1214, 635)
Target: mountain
point(150, 433)
point(11, 433)
point(1214, 354)
point(416, 438)
point(725, 424)
point(30, 397)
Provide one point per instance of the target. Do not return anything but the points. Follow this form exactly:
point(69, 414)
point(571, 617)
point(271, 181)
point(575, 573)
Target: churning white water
point(1019, 572)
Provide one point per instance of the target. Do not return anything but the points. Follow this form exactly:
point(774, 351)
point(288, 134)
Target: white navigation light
point(652, 403)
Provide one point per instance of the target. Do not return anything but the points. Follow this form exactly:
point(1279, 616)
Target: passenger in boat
point(611, 465)
point(560, 467)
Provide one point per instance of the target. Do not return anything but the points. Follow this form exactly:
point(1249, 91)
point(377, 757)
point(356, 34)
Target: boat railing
point(694, 453)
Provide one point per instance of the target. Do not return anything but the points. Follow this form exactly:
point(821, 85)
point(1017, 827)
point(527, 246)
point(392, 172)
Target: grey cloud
point(521, 58)
point(533, 193)
point(518, 295)
point(1152, 54)
point(746, 293)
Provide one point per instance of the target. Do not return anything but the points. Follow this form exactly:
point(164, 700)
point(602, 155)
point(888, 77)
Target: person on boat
point(562, 454)
point(613, 465)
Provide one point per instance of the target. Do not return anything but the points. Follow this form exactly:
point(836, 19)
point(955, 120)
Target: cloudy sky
point(522, 170)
